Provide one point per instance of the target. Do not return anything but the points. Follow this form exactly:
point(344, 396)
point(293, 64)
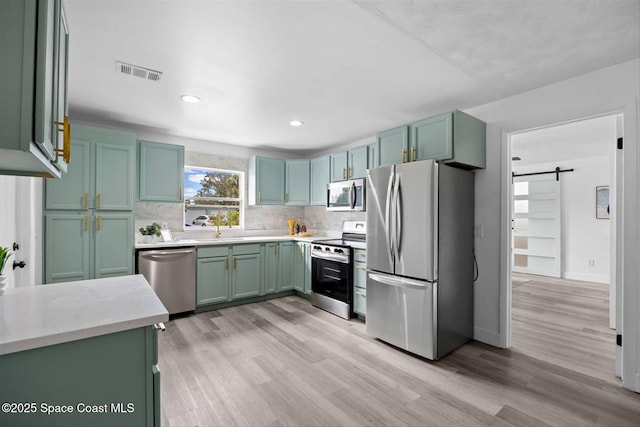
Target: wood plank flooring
point(284, 362)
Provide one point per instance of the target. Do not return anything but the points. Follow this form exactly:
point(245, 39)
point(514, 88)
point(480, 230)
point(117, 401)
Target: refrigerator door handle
point(398, 217)
point(399, 282)
point(388, 226)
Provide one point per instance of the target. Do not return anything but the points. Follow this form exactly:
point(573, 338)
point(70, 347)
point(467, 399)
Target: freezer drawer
point(172, 275)
point(402, 312)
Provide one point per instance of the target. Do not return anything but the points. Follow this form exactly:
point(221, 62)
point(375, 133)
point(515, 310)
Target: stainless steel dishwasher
point(172, 275)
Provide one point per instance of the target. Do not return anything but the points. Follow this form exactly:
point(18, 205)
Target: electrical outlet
point(164, 225)
point(478, 231)
point(592, 263)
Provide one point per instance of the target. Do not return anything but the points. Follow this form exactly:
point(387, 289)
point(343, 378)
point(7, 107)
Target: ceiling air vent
point(135, 70)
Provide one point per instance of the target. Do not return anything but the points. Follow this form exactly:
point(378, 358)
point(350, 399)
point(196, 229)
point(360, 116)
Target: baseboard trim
point(586, 277)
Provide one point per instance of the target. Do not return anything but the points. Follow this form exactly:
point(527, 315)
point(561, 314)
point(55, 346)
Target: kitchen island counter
point(39, 316)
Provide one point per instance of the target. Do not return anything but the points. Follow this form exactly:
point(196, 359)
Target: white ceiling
point(348, 69)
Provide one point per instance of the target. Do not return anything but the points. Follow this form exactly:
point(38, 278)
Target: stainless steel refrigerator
point(420, 261)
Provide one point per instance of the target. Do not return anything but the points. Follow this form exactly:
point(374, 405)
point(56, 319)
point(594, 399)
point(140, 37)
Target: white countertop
point(226, 241)
point(38, 316)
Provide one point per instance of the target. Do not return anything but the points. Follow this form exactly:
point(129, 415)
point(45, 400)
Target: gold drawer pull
point(359, 267)
point(361, 293)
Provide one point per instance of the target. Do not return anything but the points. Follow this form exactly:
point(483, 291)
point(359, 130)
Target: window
point(212, 197)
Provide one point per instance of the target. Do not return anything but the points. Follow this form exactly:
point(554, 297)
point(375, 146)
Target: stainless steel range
point(332, 269)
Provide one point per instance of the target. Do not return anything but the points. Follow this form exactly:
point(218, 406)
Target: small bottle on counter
point(298, 227)
point(303, 228)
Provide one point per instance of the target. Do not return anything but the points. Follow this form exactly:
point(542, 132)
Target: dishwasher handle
point(160, 254)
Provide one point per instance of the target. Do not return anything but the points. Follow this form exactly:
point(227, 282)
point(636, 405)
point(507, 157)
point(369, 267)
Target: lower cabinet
point(302, 267)
point(360, 282)
point(85, 245)
point(226, 273)
point(285, 266)
point(106, 380)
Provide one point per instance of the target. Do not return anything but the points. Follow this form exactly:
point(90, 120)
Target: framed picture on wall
point(602, 202)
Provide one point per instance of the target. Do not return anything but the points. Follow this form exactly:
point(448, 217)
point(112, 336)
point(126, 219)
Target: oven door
point(332, 279)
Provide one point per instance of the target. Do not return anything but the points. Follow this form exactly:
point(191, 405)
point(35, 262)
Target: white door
point(536, 237)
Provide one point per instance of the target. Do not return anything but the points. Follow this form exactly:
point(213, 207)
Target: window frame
point(240, 199)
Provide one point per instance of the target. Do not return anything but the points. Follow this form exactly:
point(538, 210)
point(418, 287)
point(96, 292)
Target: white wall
point(8, 220)
point(584, 237)
point(613, 89)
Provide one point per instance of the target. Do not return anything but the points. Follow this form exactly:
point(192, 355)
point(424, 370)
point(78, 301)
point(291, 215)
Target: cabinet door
point(269, 181)
point(299, 266)
point(358, 163)
point(307, 269)
point(60, 82)
point(270, 268)
point(319, 180)
point(71, 192)
point(114, 176)
point(161, 172)
point(338, 166)
point(67, 247)
point(432, 138)
point(297, 183)
point(393, 144)
point(245, 280)
point(285, 266)
point(113, 244)
point(212, 280)
point(373, 155)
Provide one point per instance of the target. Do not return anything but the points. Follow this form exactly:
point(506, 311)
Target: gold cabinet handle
point(235, 263)
point(98, 201)
point(160, 326)
point(86, 222)
point(259, 197)
point(98, 223)
point(361, 293)
point(226, 263)
point(286, 197)
point(404, 152)
point(360, 267)
point(276, 248)
point(180, 193)
point(65, 127)
point(413, 154)
point(344, 173)
point(86, 198)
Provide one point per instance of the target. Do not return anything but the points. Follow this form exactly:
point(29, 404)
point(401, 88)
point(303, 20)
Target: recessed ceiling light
point(190, 98)
point(296, 123)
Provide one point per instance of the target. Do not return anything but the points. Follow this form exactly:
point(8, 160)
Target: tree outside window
point(212, 197)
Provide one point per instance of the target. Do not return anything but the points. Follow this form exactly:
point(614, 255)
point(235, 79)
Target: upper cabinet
point(160, 172)
point(297, 182)
point(102, 174)
point(455, 138)
point(35, 135)
point(393, 145)
point(319, 180)
point(349, 164)
point(266, 181)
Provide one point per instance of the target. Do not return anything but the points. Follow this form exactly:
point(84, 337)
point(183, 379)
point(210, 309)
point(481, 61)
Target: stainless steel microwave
point(346, 195)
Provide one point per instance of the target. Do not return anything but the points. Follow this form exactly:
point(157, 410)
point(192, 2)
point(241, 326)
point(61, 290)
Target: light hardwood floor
point(284, 362)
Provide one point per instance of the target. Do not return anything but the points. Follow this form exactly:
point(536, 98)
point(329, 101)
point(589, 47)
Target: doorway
point(563, 242)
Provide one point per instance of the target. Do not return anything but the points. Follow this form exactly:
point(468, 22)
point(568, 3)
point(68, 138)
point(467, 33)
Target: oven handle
point(330, 257)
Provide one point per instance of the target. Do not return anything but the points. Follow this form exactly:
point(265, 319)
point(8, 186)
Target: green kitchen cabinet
point(285, 266)
point(373, 155)
point(297, 182)
point(393, 145)
point(212, 279)
point(319, 179)
point(85, 245)
point(226, 273)
point(302, 267)
point(454, 137)
point(270, 274)
point(102, 175)
point(93, 203)
point(357, 162)
point(34, 93)
point(118, 370)
point(338, 166)
point(360, 282)
point(67, 248)
point(246, 271)
point(349, 164)
point(266, 181)
point(160, 172)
